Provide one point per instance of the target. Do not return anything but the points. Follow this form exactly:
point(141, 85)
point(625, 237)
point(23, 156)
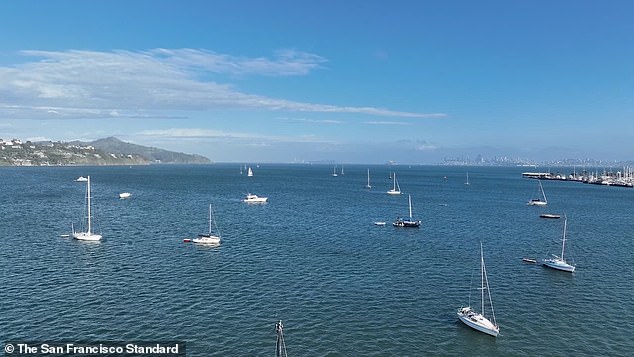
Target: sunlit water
point(312, 258)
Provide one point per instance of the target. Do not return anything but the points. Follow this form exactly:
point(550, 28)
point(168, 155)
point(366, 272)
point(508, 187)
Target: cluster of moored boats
point(623, 178)
point(212, 237)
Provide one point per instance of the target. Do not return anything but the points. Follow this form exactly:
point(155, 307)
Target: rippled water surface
point(312, 258)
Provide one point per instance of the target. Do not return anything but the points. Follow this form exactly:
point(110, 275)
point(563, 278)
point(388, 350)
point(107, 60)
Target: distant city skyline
point(352, 81)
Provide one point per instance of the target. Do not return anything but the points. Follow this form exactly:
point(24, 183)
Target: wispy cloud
point(314, 121)
point(387, 123)
point(211, 134)
point(147, 84)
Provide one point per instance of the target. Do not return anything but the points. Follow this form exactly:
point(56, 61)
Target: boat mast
point(563, 242)
point(394, 181)
point(543, 193)
point(410, 207)
point(88, 195)
point(280, 345)
point(210, 219)
point(482, 272)
point(486, 281)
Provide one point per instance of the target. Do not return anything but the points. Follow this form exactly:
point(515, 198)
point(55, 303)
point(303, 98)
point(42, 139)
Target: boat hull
point(558, 264)
point(407, 224)
point(536, 203)
point(87, 236)
point(392, 192)
point(477, 322)
point(212, 240)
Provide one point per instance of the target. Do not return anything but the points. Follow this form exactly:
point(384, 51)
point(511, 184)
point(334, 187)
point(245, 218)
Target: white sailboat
point(88, 234)
point(334, 171)
point(208, 238)
point(467, 182)
point(250, 172)
point(542, 201)
point(396, 190)
point(280, 344)
point(407, 222)
point(342, 170)
point(478, 320)
point(368, 185)
point(558, 262)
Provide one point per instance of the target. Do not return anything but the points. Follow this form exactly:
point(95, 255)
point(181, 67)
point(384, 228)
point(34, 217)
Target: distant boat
point(542, 201)
point(334, 171)
point(81, 179)
point(250, 172)
point(368, 185)
point(529, 260)
point(549, 215)
point(379, 223)
point(88, 234)
point(208, 238)
point(280, 344)
point(124, 195)
point(467, 182)
point(342, 170)
point(396, 190)
point(407, 222)
point(251, 198)
point(558, 262)
point(478, 320)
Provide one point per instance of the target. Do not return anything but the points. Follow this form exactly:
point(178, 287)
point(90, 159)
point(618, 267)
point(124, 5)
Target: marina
point(624, 178)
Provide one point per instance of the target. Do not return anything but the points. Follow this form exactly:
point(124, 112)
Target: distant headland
point(108, 151)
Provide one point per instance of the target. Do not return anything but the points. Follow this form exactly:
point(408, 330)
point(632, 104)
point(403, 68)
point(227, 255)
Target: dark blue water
point(312, 258)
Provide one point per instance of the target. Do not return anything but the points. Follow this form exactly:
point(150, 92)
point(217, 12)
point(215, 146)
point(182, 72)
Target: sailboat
point(407, 222)
point(542, 201)
point(334, 171)
point(250, 172)
point(368, 185)
point(396, 190)
point(342, 170)
point(558, 262)
point(280, 345)
point(467, 182)
point(208, 238)
point(477, 320)
point(88, 234)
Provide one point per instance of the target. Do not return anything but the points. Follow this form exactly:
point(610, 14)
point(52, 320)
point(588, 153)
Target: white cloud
point(387, 123)
point(147, 84)
point(211, 134)
point(314, 121)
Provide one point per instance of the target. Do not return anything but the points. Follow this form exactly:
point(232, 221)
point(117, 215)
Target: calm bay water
point(312, 258)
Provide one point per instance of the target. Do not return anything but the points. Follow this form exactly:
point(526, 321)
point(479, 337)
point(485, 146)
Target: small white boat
point(208, 238)
point(477, 320)
point(368, 186)
point(549, 215)
point(377, 223)
point(81, 179)
point(124, 195)
point(251, 198)
point(250, 172)
point(558, 262)
point(88, 234)
point(529, 260)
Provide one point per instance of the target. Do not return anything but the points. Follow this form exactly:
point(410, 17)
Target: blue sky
point(343, 81)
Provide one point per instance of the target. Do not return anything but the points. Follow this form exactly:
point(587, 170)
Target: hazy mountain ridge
point(108, 151)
